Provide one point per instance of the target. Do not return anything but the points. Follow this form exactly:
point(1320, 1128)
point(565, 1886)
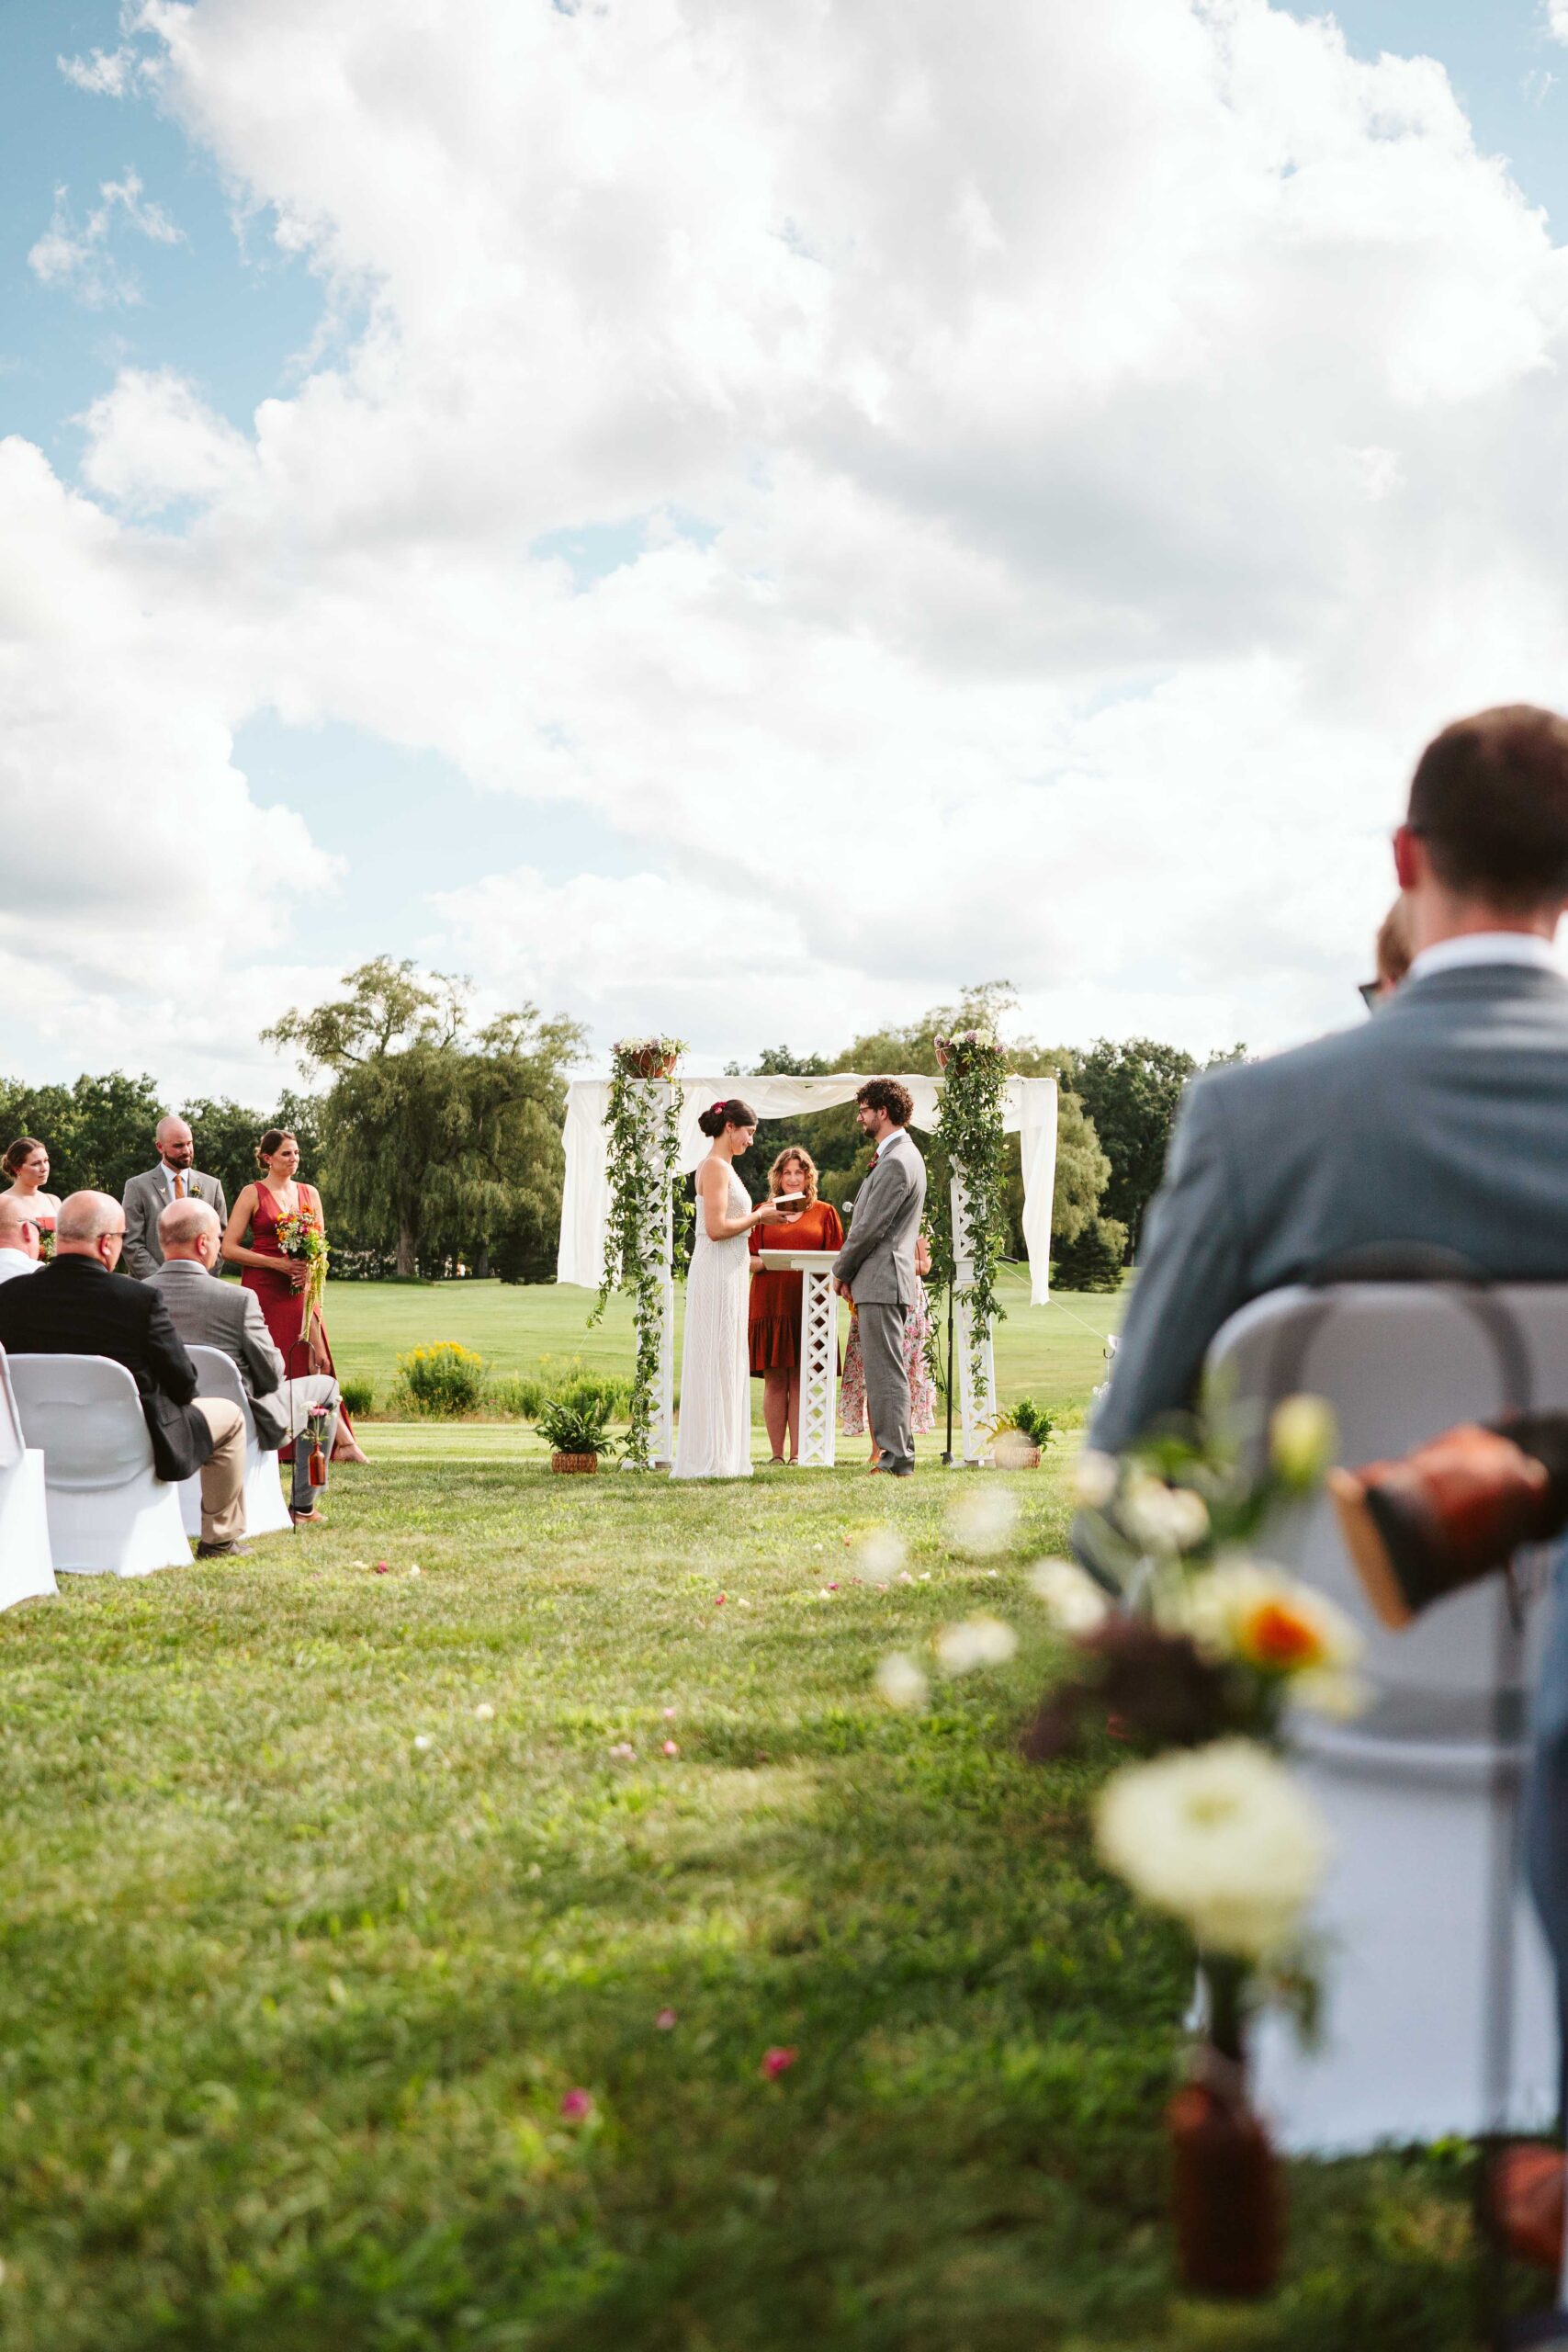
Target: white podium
point(818, 1349)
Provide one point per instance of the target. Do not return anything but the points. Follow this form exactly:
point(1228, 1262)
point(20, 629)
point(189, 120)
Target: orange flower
point(1280, 1638)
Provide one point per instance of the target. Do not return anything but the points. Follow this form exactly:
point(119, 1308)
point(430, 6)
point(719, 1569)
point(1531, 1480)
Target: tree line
point(437, 1144)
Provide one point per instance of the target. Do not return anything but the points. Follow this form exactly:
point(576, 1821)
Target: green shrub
point(359, 1396)
point(443, 1382)
point(516, 1396)
point(1094, 1260)
point(521, 1395)
point(1034, 1421)
point(572, 1428)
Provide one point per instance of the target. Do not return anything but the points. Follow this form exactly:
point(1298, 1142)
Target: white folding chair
point(27, 1563)
point(266, 1513)
point(109, 1513)
point(1420, 1791)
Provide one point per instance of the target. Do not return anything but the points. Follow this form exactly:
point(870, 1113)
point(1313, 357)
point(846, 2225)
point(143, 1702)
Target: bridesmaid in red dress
point(26, 1164)
point(277, 1281)
point(773, 1327)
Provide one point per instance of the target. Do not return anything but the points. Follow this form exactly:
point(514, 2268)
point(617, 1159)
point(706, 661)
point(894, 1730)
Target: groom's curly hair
point(886, 1094)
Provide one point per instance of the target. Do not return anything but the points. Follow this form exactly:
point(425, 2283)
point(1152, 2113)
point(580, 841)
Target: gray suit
point(208, 1313)
point(1444, 1120)
point(877, 1262)
point(145, 1199)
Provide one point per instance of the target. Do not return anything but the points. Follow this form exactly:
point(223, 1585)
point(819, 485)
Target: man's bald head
point(176, 1146)
point(189, 1229)
point(90, 1224)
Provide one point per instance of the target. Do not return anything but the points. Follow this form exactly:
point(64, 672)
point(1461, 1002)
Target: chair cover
point(266, 1513)
point(27, 1563)
point(109, 1514)
point(1418, 1792)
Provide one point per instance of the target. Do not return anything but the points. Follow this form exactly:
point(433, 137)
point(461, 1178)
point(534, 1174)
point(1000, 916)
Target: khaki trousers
point(223, 1472)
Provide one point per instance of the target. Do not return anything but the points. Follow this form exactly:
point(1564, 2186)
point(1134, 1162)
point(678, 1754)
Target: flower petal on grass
point(977, 1641)
point(577, 2106)
point(777, 2062)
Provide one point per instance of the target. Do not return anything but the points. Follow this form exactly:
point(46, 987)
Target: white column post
point(975, 1398)
point(661, 1431)
point(818, 1368)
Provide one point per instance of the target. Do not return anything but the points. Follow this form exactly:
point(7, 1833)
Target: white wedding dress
point(714, 1436)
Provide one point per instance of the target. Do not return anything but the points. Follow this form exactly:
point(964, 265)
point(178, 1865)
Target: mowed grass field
point(324, 1887)
point(1054, 1353)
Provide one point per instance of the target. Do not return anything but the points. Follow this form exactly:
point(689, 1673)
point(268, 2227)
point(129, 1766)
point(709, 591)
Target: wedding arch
point(628, 1138)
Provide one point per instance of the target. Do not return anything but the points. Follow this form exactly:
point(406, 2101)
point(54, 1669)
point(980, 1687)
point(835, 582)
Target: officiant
point(774, 1307)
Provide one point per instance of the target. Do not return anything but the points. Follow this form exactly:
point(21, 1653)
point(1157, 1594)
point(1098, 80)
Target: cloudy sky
point(745, 518)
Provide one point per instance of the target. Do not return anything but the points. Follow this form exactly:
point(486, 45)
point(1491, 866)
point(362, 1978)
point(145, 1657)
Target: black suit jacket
point(81, 1310)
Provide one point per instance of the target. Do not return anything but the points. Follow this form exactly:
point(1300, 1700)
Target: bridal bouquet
point(301, 1240)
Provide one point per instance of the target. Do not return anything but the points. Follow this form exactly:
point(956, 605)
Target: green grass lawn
point(1054, 1353)
point(302, 1950)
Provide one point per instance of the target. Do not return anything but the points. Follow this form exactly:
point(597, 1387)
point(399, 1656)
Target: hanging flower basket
point(568, 1465)
point(965, 1047)
point(646, 1056)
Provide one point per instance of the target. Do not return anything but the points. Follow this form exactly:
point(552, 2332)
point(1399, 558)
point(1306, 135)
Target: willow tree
point(431, 1126)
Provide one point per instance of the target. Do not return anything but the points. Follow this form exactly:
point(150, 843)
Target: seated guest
point(209, 1313)
point(78, 1306)
point(18, 1239)
point(175, 1178)
point(1443, 1122)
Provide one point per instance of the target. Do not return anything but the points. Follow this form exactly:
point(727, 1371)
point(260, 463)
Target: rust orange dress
point(283, 1311)
point(773, 1317)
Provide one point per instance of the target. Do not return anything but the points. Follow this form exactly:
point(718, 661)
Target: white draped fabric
point(1029, 1111)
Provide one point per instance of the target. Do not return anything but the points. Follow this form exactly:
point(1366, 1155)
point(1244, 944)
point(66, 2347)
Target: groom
point(875, 1268)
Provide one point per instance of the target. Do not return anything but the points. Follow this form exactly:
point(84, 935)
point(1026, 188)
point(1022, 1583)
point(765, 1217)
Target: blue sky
point(677, 488)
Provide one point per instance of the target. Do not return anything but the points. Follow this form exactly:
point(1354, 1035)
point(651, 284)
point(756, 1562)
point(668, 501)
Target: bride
point(714, 1440)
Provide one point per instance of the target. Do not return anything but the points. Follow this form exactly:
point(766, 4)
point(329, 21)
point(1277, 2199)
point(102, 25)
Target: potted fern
point(576, 1432)
point(1021, 1433)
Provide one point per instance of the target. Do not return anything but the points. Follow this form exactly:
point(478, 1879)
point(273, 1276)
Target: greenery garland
point(970, 1127)
point(642, 1121)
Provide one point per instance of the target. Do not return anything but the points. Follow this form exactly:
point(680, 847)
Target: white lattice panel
point(818, 1369)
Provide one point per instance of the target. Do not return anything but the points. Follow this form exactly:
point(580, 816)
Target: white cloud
point(1557, 19)
point(1062, 479)
point(80, 259)
point(105, 73)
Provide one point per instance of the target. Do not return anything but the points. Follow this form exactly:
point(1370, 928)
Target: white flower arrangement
point(1163, 1518)
point(1219, 1837)
point(1095, 1479)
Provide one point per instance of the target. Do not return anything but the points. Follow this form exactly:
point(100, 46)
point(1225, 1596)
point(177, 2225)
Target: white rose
point(980, 1522)
point(881, 1553)
point(1094, 1478)
point(1220, 1837)
point(1162, 1517)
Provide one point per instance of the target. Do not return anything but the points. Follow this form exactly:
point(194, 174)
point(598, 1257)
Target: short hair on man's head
point(182, 1221)
point(1489, 799)
point(886, 1094)
point(1393, 943)
point(83, 1216)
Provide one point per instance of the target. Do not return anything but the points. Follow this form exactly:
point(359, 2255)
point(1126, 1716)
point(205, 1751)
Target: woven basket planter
point(581, 1465)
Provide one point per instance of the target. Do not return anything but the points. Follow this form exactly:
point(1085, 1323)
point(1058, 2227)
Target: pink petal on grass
point(668, 1714)
point(577, 2106)
point(666, 2021)
point(381, 1568)
point(776, 2063)
point(671, 1748)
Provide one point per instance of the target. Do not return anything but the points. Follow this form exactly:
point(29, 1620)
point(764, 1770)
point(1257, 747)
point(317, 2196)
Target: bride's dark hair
point(733, 1114)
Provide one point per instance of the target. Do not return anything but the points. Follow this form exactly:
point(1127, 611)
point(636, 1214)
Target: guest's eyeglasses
point(1371, 994)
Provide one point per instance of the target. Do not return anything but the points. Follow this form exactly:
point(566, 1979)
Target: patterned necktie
point(179, 1186)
